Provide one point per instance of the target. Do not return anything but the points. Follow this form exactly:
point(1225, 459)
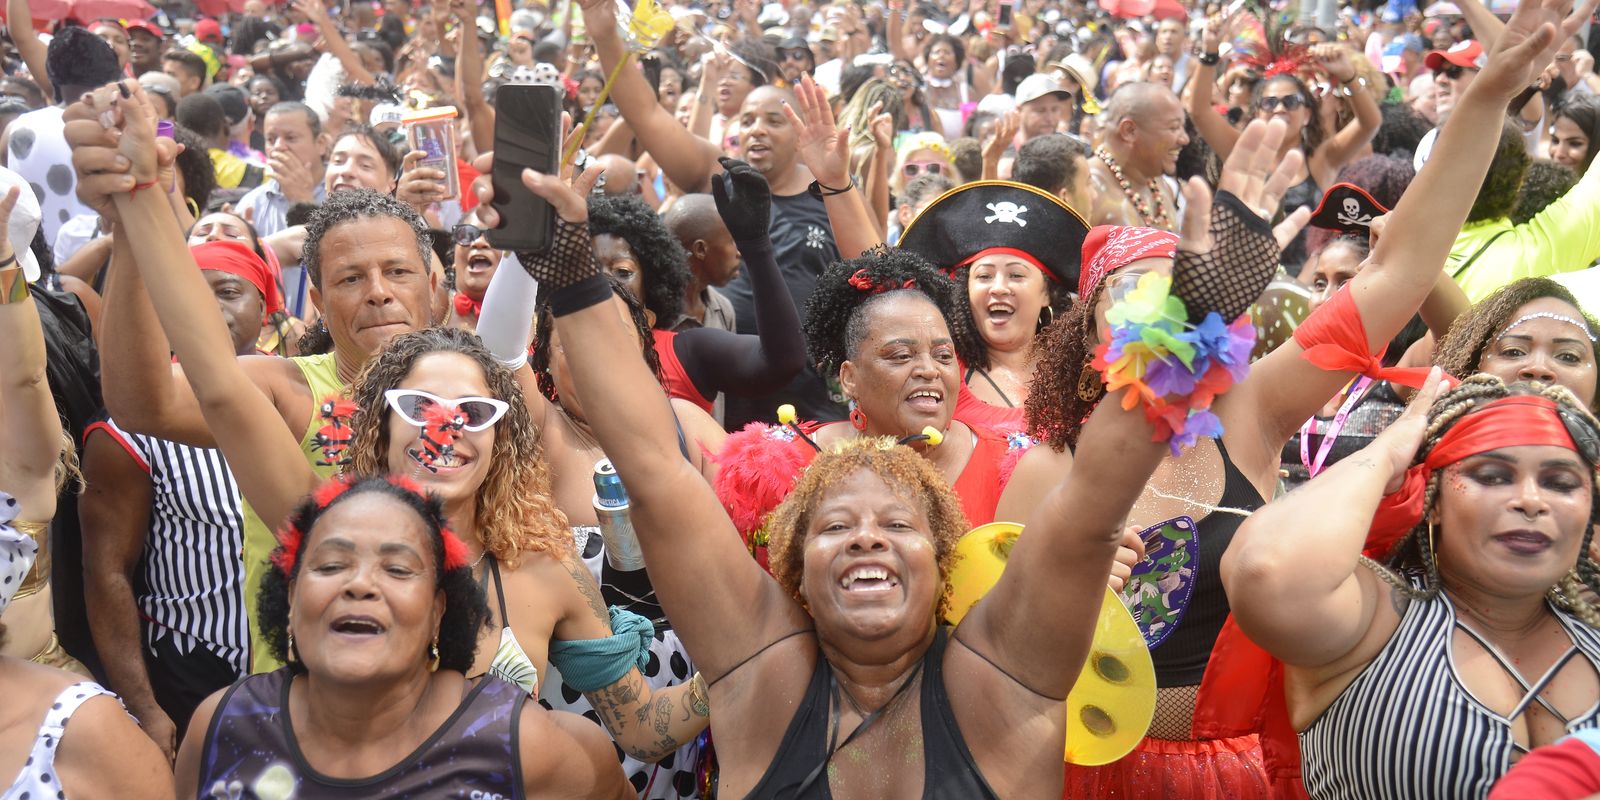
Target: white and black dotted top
point(38, 779)
point(17, 550)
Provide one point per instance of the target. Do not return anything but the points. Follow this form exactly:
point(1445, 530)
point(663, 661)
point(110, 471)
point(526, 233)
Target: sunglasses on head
point(413, 406)
point(1452, 71)
point(931, 167)
point(1291, 102)
point(466, 233)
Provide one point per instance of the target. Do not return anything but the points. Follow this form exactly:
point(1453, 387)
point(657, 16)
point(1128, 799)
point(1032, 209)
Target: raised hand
point(1529, 42)
point(1397, 444)
point(824, 147)
point(1005, 132)
point(419, 186)
point(570, 258)
point(1249, 175)
point(744, 200)
point(1335, 60)
point(882, 127)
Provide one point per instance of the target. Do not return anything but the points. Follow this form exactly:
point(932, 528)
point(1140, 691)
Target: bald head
point(713, 257)
point(621, 174)
point(1139, 101)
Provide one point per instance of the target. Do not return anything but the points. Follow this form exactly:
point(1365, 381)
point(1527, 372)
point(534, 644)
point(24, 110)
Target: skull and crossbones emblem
point(1351, 213)
point(1006, 212)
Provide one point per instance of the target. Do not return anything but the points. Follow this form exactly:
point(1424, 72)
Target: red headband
point(1109, 248)
point(291, 538)
point(1509, 422)
point(237, 259)
point(1014, 253)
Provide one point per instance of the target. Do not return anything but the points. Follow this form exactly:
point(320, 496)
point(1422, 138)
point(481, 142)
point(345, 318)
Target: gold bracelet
point(13, 284)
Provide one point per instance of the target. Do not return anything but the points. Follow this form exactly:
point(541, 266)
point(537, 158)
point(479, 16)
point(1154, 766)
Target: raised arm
point(19, 22)
point(825, 151)
point(1284, 389)
point(333, 39)
point(1285, 577)
point(31, 447)
point(1342, 147)
point(750, 366)
point(1199, 99)
point(469, 80)
point(687, 159)
point(682, 528)
point(247, 426)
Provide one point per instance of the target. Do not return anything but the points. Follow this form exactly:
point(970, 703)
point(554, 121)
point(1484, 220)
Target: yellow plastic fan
point(1110, 707)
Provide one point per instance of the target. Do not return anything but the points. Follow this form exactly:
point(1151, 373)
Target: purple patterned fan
point(1158, 592)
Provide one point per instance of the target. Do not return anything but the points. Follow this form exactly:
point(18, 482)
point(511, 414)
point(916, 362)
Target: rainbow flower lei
point(1174, 368)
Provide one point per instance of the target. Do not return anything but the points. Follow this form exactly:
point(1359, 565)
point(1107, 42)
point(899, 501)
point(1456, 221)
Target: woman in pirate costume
point(1015, 248)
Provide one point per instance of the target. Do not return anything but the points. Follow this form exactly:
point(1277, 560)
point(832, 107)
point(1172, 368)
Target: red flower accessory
point(863, 282)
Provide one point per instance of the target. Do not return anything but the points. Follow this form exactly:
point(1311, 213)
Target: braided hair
point(1413, 556)
point(465, 614)
point(836, 319)
point(1460, 352)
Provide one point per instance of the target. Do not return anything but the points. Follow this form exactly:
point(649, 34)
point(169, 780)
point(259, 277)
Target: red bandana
point(1109, 248)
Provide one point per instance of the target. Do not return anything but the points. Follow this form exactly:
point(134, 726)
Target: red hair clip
point(863, 282)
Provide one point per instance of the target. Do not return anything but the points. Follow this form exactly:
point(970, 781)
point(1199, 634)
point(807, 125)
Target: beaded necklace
point(1159, 219)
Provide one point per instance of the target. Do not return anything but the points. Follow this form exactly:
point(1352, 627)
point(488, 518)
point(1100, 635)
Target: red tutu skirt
point(1162, 769)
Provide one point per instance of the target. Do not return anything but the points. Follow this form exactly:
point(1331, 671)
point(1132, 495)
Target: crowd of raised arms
point(862, 399)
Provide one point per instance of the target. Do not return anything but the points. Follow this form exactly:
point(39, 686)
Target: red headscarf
point(1014, 253)
point(237, 259)
point(1109, 248)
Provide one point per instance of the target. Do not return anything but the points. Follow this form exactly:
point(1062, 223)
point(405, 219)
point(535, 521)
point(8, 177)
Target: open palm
point(824, 147)
point(1532, 35)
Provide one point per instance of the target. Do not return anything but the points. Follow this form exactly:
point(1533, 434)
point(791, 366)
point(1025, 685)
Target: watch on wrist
point(1209, 59)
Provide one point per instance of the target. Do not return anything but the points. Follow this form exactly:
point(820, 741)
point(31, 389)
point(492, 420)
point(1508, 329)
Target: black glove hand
point(744, 200)
point(1242, 261)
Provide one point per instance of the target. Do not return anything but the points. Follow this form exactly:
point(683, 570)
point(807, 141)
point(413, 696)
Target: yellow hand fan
point(1110, 706)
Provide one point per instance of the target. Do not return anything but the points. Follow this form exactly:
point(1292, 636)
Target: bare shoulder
point(103, 753)
point(285, 385)
point(565, 755)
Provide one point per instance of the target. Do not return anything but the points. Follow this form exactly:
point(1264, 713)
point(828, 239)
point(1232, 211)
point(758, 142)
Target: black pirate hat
point(980, 216)
point(1348, 208)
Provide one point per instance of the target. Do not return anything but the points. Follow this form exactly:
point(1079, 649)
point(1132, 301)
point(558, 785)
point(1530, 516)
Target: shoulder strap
point(1473, 259)
point(499, 591)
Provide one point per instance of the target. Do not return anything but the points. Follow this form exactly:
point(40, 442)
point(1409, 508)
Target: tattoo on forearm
point(591, 593)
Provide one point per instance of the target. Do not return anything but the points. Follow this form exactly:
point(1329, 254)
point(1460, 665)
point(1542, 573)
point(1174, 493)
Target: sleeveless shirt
point(38, 777)
point(674, 378)
point(950, 772)
point(1408, 727)
point(250, 750)
point(322, 375)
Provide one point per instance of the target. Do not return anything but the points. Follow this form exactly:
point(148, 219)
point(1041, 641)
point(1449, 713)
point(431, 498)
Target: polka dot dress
point(17, 551)
point(673, 776)
point(38, 779)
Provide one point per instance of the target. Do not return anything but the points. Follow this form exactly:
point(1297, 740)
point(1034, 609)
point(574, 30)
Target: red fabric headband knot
point(1509, 422)
point(863, 282)
point(291, 539)
point(1109, 248)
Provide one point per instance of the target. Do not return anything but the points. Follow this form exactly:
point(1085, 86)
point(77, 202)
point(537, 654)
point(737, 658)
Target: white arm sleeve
point(506, 322)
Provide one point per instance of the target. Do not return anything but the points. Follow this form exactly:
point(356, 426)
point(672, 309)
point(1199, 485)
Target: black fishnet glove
point(569, 261)
point(1243, 259)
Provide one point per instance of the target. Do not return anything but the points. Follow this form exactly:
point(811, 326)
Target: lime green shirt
point(1564, 237)
point(322, 375)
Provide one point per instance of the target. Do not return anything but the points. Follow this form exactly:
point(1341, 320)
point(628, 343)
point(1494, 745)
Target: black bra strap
point(764, 648)
point(499, 591)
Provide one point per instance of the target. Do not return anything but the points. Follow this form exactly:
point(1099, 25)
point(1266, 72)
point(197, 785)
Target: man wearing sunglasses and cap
point(795, 59)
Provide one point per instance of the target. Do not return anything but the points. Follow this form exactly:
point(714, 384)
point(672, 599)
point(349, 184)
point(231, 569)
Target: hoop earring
point(858, 420)
point(433, 655)
point(1089, 384)
point(1047, 315)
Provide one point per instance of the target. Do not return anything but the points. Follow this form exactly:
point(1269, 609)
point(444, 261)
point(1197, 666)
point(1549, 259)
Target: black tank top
point(250, 750)
point(951, 773)
point(1181, 659)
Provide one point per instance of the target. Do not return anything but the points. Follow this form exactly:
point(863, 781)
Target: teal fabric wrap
point(590, 664)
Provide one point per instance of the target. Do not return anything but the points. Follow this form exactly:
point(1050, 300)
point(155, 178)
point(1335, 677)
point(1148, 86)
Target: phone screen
point(527, 135)
point(1004, 17)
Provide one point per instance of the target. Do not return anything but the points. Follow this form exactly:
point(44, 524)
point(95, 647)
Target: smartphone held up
point(527, 135)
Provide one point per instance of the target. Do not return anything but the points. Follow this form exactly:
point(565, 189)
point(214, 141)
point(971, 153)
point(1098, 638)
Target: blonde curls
point(515, 511)
point(908, 474)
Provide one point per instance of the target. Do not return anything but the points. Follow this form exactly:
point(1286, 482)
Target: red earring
point(857, 419)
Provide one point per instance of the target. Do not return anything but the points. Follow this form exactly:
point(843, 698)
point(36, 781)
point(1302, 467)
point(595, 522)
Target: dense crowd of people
point(1272, 327)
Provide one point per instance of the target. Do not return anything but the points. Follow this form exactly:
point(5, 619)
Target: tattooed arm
point(647, 723)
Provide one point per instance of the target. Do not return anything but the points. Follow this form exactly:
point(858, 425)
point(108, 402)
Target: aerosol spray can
point(616, 527)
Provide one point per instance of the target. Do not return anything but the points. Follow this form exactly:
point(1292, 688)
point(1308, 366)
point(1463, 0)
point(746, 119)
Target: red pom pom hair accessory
point(864, 283)
point(291, 538)
point(334, 436)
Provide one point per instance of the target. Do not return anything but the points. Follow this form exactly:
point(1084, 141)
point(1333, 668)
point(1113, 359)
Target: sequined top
point(38, 577)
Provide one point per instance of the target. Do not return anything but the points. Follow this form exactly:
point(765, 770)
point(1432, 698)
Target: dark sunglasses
point(1291, 102)
point(794, 54)
point(466, 233)
point(1453, 71)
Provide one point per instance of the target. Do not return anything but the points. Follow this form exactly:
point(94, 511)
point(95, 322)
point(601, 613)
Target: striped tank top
point(1407, 727)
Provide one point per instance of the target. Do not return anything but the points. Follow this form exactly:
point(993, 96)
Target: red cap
point(208, 30)
point(144, 25)
point(1467, 54)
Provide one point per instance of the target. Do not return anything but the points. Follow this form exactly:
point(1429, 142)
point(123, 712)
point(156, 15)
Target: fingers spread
point(1196, 234)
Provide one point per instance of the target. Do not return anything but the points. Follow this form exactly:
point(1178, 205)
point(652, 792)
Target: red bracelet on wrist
point(138, 186)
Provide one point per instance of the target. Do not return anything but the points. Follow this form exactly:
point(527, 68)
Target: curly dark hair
point(1062, 395)
point(1400, 132)
point(906, 472)
point(663, 264)
point(1544, 183)
point(1497, 197)
point(1461, 350)
point(959, 49)
point(1384, 177)
point(390, 155)
point(466, 610)
point(539, 361)
point(353, 204)
point(836, 319)
point(1413, 554)
point(194, 164)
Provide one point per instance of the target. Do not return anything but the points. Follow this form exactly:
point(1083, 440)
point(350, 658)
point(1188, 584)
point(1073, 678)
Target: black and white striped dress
point(1409, 728)
point(193, 555)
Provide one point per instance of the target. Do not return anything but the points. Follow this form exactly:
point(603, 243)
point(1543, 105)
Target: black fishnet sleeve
point(568, 270)
point(1243, 259)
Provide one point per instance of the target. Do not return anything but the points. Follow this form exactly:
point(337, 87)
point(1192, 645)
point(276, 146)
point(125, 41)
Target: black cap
point(233, 100)
point(79, 58)
point(1348, 208)
point(984, 215)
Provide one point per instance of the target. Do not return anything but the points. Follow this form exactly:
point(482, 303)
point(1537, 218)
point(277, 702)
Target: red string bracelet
point(145, 185)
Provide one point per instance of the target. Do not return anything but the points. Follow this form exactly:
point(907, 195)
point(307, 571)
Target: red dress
point(979, 414)
point(673, 376)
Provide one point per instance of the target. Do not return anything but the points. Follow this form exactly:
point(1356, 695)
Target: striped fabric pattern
point(1408, 728)
point(193, 556)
